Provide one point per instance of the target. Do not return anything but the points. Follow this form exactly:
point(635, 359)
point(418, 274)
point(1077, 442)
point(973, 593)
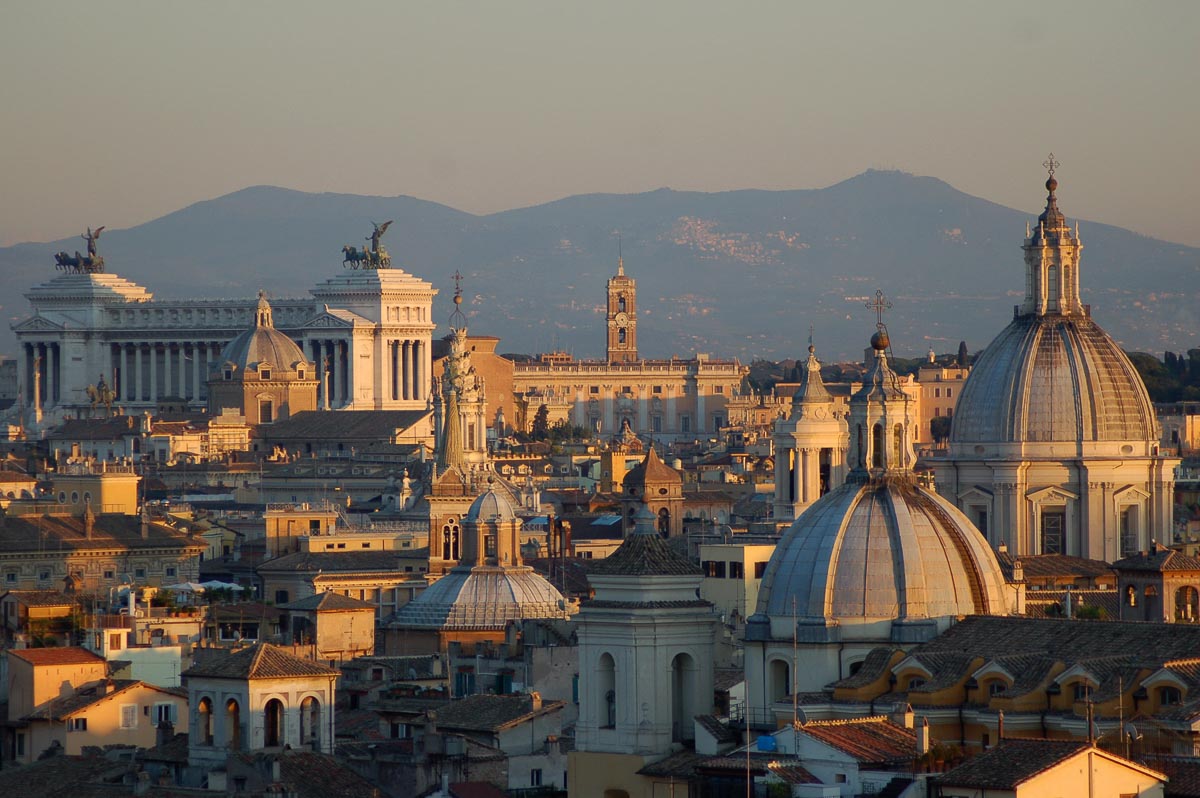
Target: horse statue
point(354, 256)
point(93, 396)
point(379, 259)
point(64, 261)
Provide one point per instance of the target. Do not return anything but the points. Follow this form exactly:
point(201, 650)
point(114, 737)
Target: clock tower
point(622, 317)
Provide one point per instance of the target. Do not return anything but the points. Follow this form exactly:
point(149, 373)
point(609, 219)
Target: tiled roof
point(1066, 640)
point(56, 776)
point(15, 476)
point(62, 533)
point(55, 656)
point(94, 693)
point(1042, 566)
point(1011, 763)
point(476, 789)
point(1183, 774)
point(490, 713)
point(874, 666)
point(358, 724)
point(343, 425)
point(1158, 560)
point(344, 562)
point(1049, 603)
point(792, 773)
point(327, 601)
point(41, 598)
point(312, 775)
point(652, 470)
point(719, 731)
point(869, 740)
point(259, 661)
point(645, 555)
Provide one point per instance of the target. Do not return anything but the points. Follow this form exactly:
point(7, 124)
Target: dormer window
point(1083, 691)
point(264, 373)
point(299, 374)
point(1169, 697)
point(228, 374)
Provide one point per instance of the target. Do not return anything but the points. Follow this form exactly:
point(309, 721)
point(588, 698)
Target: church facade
point(367, 331)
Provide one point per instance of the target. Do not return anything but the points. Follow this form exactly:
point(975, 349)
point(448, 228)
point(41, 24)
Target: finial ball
point(1051, 183)
point(458, 299)
point(880, 341)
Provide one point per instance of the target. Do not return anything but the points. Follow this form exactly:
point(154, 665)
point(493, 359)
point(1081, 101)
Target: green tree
point(541, 423)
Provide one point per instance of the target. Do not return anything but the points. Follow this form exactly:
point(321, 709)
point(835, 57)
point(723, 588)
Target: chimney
point(535, 699)
point(89, 519)
point(276, 771)
point(1000, 727)
point(902, 715)
point(163, 732)
point(923, 737)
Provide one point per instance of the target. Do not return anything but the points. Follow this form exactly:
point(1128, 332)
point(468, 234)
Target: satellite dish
point(1131, 732)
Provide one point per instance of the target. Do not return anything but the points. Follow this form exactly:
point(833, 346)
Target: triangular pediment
point(1050, 494)
point(37, 324)
point(1130, 493)
point(327, 321)
point(977, 492)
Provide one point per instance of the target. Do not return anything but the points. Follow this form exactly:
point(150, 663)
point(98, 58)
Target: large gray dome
point(262, 343)
point(482, 598)
point(1053, 378)
point(883, 549)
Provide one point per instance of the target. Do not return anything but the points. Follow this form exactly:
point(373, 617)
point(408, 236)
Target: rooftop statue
point(91, 263)
point(373, 257)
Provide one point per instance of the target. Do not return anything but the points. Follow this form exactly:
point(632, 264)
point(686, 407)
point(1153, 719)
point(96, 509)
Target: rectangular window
point(737, 570)
point(718, 389)
point(129, 716)
point(20, 743)
point(1053, 529)
point(109, 574)
point(714, 568)
point(535, 777)
point(170, 570)
point(594, 389)
point(658, 389)
point(281, 597)
point(656, 423)
point(949, 392)
point(78, 724)
point(981, 519)
point(139, 573)
point(114, 641)
point(44, 575)
point(10, 577)
point(266, 411)
point(685, 424)
point(760, 568)
point(164, 713)
point(937, 393)
point(1129, 535)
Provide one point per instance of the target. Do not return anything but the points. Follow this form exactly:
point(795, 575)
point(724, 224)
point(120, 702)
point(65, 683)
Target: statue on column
point(377, 256)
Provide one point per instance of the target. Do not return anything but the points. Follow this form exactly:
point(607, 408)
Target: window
point(20, 743)
point(714, 568)
point(937, 393)
point(1082, 691)
point(1169, 697)
point(10, 577)
point(594, 389)
point(170, 570)
point(996, 688)
point(44, 574)
point(657, 389)
point(299, 374)
point(114, 641)
point(264, 373)
point(164, 713)
point(78, 724)
point(109, 574)
point(981, 518)
point(760, 568)
point(737, 570)
point(139, 573)
point(949, 393)
point(915, 682)
point(1129, 531)
point(535, 777)
point(129, 716)
point(718, 389)
point(685, 424)
point(1053, 528)
point(228, 374)
point(266, 411)
point(401, 731)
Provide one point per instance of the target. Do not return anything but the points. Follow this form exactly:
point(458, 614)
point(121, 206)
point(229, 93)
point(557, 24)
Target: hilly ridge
point(738, 273)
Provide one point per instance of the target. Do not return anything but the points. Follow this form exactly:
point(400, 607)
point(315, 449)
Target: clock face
point(621, 318)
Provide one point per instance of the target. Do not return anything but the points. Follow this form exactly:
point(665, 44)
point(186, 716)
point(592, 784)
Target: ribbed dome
point(491, 507)
point(482, 598)
point(262, 343)
point(1053, 379)
point(885, 549)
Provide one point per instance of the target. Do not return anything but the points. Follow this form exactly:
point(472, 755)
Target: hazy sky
point(116, 113)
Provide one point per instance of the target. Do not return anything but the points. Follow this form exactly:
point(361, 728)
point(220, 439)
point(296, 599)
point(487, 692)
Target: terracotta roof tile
point(490, 713)
point(259, 661)
point(55, 656)
point(869, 740)
point(1011, 763)
point(327, 601)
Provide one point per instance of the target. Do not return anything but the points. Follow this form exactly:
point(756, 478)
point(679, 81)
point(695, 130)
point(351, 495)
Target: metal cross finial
point(1051, 164)
point(458, 278)
point(810, 334)
point(879, 305)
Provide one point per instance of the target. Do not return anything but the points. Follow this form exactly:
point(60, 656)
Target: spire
point(812, 388)
point(1052, 219)
point(458, 321)
point(451, 452)
point(880, 420)
point(620, 258)
point(262, 314)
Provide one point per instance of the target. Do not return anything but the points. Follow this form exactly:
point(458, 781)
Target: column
point(348, 371)
point(415, 355)
point(152, 351)
point(195, 373)
point(394, 368)
point(701, 421)
point(52, 360)
point(422, 371)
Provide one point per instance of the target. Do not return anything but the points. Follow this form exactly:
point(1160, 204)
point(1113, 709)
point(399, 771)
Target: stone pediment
point(1052, 493)
point(1130, 493)
point(327, 321)
point(37, 324)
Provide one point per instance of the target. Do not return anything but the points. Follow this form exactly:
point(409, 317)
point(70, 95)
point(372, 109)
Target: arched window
point(273, 733)
point(621, 335)
point(779, 680)
point(621, 303)
point(310, 723)
point(1187, 604)
point(204, 721)
point(683, 697)
point(877, 446)
point(664, 522)
point(1131, 596)
point(233, 725)
point(606, 684)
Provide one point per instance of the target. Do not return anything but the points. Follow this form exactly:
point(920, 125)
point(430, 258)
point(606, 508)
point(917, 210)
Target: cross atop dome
point(458, 321)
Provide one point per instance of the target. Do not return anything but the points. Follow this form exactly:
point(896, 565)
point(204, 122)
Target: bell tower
point(622, 317)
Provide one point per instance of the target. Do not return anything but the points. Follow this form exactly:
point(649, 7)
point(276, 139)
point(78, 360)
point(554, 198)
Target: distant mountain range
point(736, 274)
